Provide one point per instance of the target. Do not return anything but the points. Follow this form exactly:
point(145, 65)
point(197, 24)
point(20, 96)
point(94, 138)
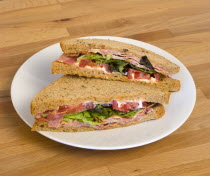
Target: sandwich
point(73, 103)
point(113, 60)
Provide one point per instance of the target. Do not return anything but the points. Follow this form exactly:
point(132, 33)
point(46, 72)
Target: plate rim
point(170, 131)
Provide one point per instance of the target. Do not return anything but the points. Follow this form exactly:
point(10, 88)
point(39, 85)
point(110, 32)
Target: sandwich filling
point(109, 61)
point(97, 116)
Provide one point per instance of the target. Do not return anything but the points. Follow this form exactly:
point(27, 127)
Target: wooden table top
point(180, 27)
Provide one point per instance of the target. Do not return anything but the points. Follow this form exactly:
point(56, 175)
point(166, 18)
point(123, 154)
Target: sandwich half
point(74, 103)
point(113, 60)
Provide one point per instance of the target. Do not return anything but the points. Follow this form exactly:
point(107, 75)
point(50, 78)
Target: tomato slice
point(137, 74)
point(86, 62)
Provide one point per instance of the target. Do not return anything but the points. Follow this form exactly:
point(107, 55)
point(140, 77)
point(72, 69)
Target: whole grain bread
point(76, 46)
point(157, 113)
point(74, 90)
point(168, 84)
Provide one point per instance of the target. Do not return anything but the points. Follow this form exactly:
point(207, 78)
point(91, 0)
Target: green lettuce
point(127, 114)
point(96, 115)
point(45, 114)
point(142, 69)
point(84, 117)
point(108, 112)
point(93, 56)
point(115, 65)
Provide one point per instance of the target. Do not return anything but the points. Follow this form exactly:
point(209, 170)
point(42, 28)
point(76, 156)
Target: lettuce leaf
point(84, 117)
point(45, 114)
point(108, 112)
point(93, 56)
point(127, 114)
point(96, 115)
point(115, 65)
point(142, 69)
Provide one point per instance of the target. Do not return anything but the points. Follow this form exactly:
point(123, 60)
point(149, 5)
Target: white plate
point(35, 74)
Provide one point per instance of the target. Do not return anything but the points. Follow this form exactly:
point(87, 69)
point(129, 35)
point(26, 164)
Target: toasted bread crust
point(168, 84)
point(42, 126)
point(75, 90)
point(76, 46)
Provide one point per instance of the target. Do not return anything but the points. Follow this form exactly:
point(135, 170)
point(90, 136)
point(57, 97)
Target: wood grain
point(180, 27)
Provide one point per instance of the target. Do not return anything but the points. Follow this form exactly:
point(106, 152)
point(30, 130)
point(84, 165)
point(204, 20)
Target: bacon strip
point(161, 70)
point(83, 63)
point(122, 120)
point(54, 119)
point(75, 123)
point(67, 60)
point(157, 76)
point(40, 117)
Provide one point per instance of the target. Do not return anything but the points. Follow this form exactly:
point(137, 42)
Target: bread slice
point(168, 84)
point(76, 46)
point(157, 113)
point(75, 90)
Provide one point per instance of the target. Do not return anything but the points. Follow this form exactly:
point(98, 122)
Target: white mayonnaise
point(120, 103)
